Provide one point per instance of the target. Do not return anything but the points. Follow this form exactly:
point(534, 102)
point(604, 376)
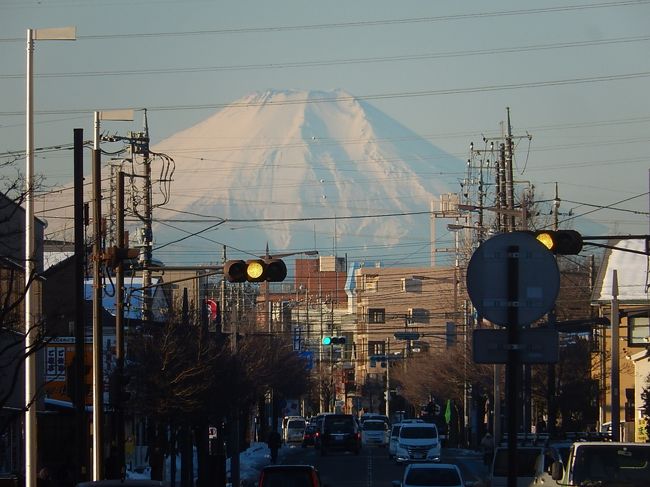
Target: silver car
point(393, 440)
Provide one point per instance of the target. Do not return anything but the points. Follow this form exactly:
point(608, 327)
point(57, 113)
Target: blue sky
point(574, 74)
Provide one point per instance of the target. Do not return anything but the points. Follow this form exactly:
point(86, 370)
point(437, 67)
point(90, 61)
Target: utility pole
point(615, 390)
point(119, 326)
point(79, 399)
point(388, 377)
point(509, 173)
point(98, 338)
point(140, 146)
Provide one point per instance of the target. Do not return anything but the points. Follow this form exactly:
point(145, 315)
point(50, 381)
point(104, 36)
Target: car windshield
point(526, 458)
point(418, 433)
point(627, 465)
point(286, 478)
point(296, 423)
point(438, 477)
point(373, 426)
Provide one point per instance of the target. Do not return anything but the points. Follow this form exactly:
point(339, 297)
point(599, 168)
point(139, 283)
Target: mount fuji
point(299, 169)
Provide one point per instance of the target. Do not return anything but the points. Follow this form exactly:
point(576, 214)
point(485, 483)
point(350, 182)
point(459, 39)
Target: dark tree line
point(184, 379)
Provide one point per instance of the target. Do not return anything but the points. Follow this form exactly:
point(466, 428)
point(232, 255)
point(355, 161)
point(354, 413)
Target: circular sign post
point(488, 282)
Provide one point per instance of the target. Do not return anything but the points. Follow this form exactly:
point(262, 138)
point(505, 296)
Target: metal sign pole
point(512, 367)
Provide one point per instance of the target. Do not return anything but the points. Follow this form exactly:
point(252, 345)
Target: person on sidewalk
point(274, 445)
point(487, 446)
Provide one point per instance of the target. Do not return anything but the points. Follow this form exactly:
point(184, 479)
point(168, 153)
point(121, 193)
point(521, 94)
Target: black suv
point(340, 432)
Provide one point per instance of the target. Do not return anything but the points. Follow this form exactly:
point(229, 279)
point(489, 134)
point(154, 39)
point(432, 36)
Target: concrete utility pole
point(616, 397)
point(121, 243)
point(388, 377)
point(140, 146)
point(98, 337)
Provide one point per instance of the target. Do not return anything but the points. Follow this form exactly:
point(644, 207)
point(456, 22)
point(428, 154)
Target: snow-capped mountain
point(304, 168)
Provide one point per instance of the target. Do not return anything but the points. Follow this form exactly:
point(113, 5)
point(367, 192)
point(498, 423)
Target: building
point(628, 292)
point(12, 328)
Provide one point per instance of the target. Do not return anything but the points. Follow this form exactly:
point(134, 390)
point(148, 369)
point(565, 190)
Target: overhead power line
point(378, 96)
point(362, 23)
point(334, 62)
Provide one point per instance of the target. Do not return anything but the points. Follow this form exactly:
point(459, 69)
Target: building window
point(376, 315)
point(410, 285)
point(376, 348)
point(371, 283)
point(419, 315)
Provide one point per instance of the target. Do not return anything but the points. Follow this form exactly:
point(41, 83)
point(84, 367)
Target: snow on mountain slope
point(282, 164)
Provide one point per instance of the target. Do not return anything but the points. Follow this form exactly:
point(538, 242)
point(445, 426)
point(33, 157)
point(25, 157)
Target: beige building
point(401, 312)
point(630, 289)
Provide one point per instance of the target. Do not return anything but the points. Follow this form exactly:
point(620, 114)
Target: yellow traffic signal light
point(564, 242)
point(255, 270)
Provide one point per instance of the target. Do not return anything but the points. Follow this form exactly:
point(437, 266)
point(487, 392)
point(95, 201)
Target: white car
point(418, 442)
point(374, 432)
point(430, 475)
point(392, 440)
point(294, 430)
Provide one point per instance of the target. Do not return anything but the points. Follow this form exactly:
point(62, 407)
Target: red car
point(309, 437)
point(289, 475)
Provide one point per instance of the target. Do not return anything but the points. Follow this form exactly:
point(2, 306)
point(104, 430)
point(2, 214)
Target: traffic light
point(564, 242)
point(255, 270)
point(333, 341)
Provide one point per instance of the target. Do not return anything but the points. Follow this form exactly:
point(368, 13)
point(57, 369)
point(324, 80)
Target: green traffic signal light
point(333, 341)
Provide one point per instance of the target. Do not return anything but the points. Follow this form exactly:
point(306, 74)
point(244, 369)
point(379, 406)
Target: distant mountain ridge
point(281, 165)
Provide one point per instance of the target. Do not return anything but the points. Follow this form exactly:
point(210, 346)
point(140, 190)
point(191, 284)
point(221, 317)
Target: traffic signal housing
point(255, 270)
point(333, 341)
point(563, 242)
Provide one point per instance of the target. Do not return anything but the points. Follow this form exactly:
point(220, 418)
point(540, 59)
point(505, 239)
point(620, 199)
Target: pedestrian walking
point(487, 446)
point(274, 445)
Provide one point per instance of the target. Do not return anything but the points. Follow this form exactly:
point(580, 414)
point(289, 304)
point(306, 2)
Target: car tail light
point(314, 479)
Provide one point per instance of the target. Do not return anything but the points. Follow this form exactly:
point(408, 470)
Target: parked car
point(289, 476)
point(374, 432)
point(418, 442)
point(309, 437)
point(294, 430)
point(392, 439)
point(430, 475)
point(339, 432)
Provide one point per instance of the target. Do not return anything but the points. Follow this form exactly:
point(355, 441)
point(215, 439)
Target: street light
point(61, 34)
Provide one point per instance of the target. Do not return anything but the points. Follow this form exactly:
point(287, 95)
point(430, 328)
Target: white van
point(294, 429)
point(418, 442)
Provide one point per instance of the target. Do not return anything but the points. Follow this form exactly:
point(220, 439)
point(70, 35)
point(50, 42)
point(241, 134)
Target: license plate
point(418, 456)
